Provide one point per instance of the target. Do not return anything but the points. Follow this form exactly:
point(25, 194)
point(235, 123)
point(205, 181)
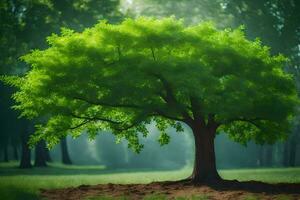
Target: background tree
point(40, 154)
point(24, 24)
point(64, 152)
point(111, 155)
point(277, 23)
point(25, 129)
point(148, 70)
point(192, 11)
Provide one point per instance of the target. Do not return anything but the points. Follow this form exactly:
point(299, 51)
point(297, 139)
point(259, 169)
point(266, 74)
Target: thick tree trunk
point(205, 162)
point(64, 152)
point(25, 161)
point(40, 154)
point(5, 151)
point(292, 153)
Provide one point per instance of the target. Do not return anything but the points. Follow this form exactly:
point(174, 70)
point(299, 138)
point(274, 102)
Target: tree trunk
point(292, 153)
point(64, 152)
point(46, 151)
point(269, 156)
point(5, 151)
point(261, 156)
point(15, 149)
point(48, 157)
point(40, 154)
point(285, 159)
point(205, 162)
point(25, 152)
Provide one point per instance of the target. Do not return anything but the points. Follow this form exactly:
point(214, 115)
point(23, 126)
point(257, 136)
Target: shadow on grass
point(252, 186)
point(10, 192)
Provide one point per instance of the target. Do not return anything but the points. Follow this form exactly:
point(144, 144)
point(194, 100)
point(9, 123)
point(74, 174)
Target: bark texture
point(205, 169)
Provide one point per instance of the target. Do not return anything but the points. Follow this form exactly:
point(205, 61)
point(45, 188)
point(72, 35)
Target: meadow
point(25, 184)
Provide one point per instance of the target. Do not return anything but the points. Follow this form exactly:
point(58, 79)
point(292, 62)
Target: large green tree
point(122, 77)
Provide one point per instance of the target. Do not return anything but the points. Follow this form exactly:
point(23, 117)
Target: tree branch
point(102, 103)
point(153, 55)
point(161, 113)
point(251, 121)
point(117, 124)
point(95, 119)
point(211, 123)
point(196, 110)
point(79, 125)
point(171, 100)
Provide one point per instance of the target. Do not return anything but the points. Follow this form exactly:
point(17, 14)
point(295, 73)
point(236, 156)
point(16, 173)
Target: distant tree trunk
point(5, 151)
point(265, 156)
point(40, 154)
point(25, 151)
point(285, 159)
point(205, 162)
point(48, 157)
point(15, 152)
point(261, 156)
point(292, 153)
point(268, 155)
point(64, 152)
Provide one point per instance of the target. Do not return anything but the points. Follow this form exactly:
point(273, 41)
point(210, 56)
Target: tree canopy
point(122, 77)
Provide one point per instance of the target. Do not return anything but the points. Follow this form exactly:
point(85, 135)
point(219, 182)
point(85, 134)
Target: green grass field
point(25, 184)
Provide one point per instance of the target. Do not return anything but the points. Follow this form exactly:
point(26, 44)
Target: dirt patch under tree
point(226, 190)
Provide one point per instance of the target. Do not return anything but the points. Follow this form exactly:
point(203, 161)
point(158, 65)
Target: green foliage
point(24, 24)
point(122, 77)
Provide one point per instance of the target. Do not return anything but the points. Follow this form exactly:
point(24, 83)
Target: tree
point(40, 154)
point(23, 26)
point(122, 77)
point(26, 128)
point(277, 23)
point(64, 152)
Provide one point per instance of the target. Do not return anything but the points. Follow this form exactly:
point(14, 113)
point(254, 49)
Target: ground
point(178, 190)
point(48, 182)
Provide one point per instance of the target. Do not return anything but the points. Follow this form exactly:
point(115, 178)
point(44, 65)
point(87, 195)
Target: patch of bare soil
point(224, 190)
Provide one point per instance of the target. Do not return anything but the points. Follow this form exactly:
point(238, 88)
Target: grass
point(25, 183)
